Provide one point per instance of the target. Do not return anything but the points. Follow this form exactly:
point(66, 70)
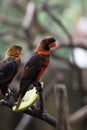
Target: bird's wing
point(7, 71)
point(31, 70)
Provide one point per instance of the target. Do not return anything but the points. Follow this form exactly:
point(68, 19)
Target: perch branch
point(75, 117)
point(43, 116)
point(27, 119)
point(36, 113)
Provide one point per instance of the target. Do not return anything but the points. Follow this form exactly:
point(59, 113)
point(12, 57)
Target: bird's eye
point(45, 41)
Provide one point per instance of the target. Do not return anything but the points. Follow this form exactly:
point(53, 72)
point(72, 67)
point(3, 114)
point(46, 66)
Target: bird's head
point(46, 44)
point(14, 51)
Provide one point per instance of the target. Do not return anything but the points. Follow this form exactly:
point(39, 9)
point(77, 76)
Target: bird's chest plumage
point(45, 60)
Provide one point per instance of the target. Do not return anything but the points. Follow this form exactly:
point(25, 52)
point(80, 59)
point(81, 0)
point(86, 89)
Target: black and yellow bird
point(9, 67)
point(36, 66)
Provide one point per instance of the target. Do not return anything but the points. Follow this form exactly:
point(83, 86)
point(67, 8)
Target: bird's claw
point(8, 99)
point(38, 86)
point(3, 101)
point(8, 95)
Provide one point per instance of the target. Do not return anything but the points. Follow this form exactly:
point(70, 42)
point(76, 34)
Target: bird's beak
point(52, 45)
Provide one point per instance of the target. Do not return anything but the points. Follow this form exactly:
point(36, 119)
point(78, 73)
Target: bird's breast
point(44, 65)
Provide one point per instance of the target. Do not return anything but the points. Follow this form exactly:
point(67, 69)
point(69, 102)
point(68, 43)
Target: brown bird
point(9, 67)
point(35, 66)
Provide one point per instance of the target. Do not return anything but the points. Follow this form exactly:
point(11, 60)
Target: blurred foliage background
point(25, 23)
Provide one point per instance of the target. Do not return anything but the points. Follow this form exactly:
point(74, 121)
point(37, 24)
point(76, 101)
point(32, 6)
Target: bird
point(35, 66)
point(9, 68)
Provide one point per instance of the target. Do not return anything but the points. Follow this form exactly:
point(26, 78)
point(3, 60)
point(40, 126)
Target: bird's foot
point(9, 95)
point(38, 86)
point(33, 107)
point(8, 99)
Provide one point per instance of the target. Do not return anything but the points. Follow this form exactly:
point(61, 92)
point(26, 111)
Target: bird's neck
point(13, 57)
point(44, 53)
point(17, 58)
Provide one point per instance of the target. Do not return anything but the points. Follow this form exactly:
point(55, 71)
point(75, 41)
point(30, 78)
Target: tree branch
point(27, 22)
point(80, 43)
point(75, 117)
point(46, 91)
point(12, 33)
point(67, 61)
point(62, 106)
point(57, 20)
point(35, 113)
point(29, 16)
point(25, 120)
point(43, 116)
point(9, 21)
point(78, 115)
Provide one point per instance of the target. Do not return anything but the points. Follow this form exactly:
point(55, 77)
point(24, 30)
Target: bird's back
point(8, 69)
